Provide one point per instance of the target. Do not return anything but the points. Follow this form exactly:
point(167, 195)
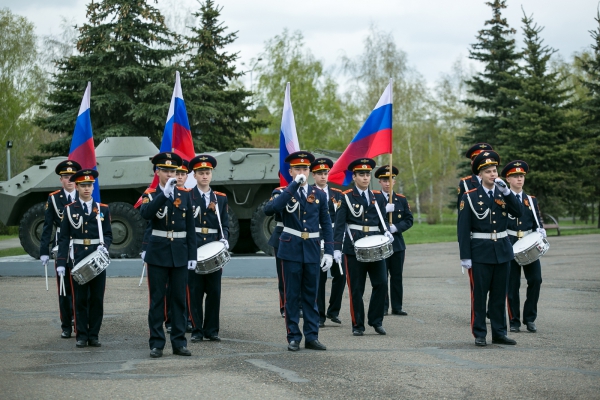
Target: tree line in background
point(526, 102)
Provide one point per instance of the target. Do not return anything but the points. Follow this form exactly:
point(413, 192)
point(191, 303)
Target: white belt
point(169, 234)
point(206, 230)
point(492, 236)
point(86, 242)
point(363, 228)
point(280, 224)
point(332, 225)
point(518, 234)
point(303, 235)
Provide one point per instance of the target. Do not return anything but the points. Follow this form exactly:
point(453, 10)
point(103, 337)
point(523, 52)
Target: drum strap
point(219, 217)
point(465, 185)
point(533, 210)
point(100, 232)
point(385, 229)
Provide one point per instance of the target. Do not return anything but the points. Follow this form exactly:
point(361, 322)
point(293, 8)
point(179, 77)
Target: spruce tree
point(221, 115)
point(126, 51)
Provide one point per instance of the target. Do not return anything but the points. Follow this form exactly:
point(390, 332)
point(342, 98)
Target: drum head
point(371, 241)
point(527, 242)
point(210, 250)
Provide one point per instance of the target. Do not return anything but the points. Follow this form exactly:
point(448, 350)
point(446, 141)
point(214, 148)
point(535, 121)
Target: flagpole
point(392, 149)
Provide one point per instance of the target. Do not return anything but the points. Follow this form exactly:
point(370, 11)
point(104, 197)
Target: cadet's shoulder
point(336, 190)
point(219, 193)
point(103, 205)
point(183, 189)
point(55, 192)
point(377, 191)
point(400, 195)
point(465, 178)
point(471, 191)
point(532, 196)
point(70, 204)
point(347, 191)
point(150, 190)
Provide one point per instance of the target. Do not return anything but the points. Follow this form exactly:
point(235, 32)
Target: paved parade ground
point(428, 354)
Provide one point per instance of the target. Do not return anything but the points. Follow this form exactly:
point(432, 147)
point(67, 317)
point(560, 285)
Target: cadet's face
point(85, 190)
point(203, 177)
point(297, 170)
point(516, 182)
point(181, 177)
point(362, 179)
point(321, 178)
point(385, 184)
point(66, 184)
point(164, 175)
point(488, 176)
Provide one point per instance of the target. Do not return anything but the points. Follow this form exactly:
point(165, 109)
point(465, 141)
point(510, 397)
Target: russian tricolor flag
point(288, 138)
point(82, 144)
point(373, 139)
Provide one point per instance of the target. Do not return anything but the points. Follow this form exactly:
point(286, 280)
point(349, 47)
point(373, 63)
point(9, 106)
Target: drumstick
point(341, 271)
point(46, 272)
point(143, 270)
point(62, 286)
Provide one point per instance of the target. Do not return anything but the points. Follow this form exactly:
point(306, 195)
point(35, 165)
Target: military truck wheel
point(262, 227)
point(30, 229)
point(128, 230)
point(234, 229)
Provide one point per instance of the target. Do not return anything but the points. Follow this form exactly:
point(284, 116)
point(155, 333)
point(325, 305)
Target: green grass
point(6, 237)
point(425, 233)
point(15, 251)
point(569, 232)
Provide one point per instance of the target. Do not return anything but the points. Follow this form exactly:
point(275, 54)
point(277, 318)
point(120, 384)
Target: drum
point(90, 267)
point(211, 257)
point(530, 248)
point(373, 248)
point(54, 252)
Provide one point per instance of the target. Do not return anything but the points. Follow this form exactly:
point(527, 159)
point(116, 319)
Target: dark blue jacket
point(486, 251)
point(52, 218)
point(87, 230)
point(207, 218)
point(402, 218)
point(274, 239)
point(169, 252)
point(306, 217)
point(368, 217)
point(526, 221)
point(471, 182)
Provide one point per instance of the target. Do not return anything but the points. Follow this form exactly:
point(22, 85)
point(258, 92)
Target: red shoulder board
point(472, 190)
point(150, 190)
point(347, 191)
point(400, 195)
point(465, 178)
point(219, 193)
point(280, 187)
point(53, 193)
point(184, 189)
point(532, 196)
point(70, 204)
point(336, 189)
point(377, 191)
point(102, 204)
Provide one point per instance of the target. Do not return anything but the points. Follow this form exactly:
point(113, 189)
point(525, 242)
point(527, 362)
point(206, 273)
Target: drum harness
point(78, 225)
point(210, 230)
point(477, 235)
point(358, 213)
point(522, 234)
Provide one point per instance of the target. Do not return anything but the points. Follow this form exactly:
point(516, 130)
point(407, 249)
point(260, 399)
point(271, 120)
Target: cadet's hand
point(389, 236)
point(143, 255)
point(225, 242)
point(60, 271)
point(170, 187)
point(44, 259)
point(502, 186)
point(103, 249)
point(389, 208)
point(465, 263)
point(337, 256)
point(542, 231)
point(327, 262)
point(192, 265)
point(300, 178)
point(393, 229)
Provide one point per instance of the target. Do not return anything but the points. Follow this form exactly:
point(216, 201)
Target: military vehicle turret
point(246, 175)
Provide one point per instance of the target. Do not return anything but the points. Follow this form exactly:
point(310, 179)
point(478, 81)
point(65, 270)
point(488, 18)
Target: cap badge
point(486, 154)
point(483, 146)
point(517, 164)
point(364, 161)
point(69, 169)
point(364, 166)
point(203, 158)
point(302, 160)
point(69, 163)
point(203, 164)
point(168, 155)
point(518, 169)
point(302, 156)
point(87, 177)
point(168, 162)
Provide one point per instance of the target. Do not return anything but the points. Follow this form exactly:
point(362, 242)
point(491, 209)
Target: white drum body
point(373, 248)
point(90, 267)
point(211, 257)
point(530, 248)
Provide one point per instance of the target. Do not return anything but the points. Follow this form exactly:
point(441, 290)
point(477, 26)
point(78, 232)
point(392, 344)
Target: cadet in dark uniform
point(518, 228)
point(485, 249)
point(358, 212)
point(212, 224)
point(472, 181)
point(303, 209)
point(320, 171)
point(274, 242)
point(172, 247)
point(54, 212)
point(80, 226)
point(402, 220)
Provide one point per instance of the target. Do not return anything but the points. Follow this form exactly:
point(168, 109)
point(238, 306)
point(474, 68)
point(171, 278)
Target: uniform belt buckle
point(494, 236)
point(520, 234)
point(304, 235)
point(87, 242)
point(170, 235)
point(204, 230)
point(365, 229)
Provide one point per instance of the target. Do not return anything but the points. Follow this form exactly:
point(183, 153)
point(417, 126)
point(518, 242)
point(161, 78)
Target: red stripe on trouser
point(187, 289)
point(285, 297)
point(74, 309)
point(349, 292)
point(472, 299)
point(510, 317)
point(58, 290)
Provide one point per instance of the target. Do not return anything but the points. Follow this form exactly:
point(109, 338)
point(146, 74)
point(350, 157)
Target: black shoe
point(335, 319)
point(169, 330)
point(196, 339)
point(531, 327)
point(81, 343)
point(156, 353)
point(214, 338)
point(380, 330)
point(321, 324)
point(480, 341)
point(503, 340)
point(189, 328)
point(399, 312)
point(283, 314)
point(301, 314)
point(94, 343)
point(72, 322)
point(294, 346)
point(182, 351)
point(385, 312)
point(65, 334)
point(356, 332)
point(315, 345)
point(514, 328)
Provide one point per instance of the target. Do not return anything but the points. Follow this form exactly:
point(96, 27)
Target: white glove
point(143, 255)
point(337, 256)
point(465, 263)
point(102, 249)
point(327, 262)
point(300, 178)
point(389, 236)
point(542, 231)
point(393, 229)
point(60, 271)
point(192, 265)
point(502, 186)
point(45, 259)
point(389, 208)
point(225, 242)
point(170, 187)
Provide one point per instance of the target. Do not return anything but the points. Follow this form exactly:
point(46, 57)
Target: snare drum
point(211, 257)
point(90, 267)
point(373, 248)
point(530, 248)
point(54, 252)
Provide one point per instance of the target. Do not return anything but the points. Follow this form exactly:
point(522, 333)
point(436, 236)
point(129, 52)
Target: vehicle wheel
point(245, 244)
point(262, 227)
point(128, 228)
point(234, 229)
point(30, 229)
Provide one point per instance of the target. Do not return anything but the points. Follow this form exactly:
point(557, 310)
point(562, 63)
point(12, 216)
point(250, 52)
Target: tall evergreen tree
point(221, 116)
point(126, 51)
point(495, 49)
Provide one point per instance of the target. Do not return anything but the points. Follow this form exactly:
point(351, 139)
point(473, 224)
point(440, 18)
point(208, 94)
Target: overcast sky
point(434, 33)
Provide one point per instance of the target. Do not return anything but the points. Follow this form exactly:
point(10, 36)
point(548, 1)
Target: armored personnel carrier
point(247, 176)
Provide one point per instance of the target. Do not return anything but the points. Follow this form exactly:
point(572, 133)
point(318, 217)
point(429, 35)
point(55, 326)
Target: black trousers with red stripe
point(356, 275)
point(158, 277)
point(301, 283)
point(205, 321)
point(88, 301)
point(533, 274)
point(492, 278)
point(65, 303)
point(280, 284)
point(338, 283)
point(395, 266)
